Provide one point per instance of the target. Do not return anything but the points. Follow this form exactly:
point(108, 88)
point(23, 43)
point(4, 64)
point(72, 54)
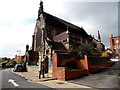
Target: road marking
point(2, 70)
point(13, 82)
point(6, 69)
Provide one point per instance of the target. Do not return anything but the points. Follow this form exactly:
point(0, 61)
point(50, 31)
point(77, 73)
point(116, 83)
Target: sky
point(18, 19)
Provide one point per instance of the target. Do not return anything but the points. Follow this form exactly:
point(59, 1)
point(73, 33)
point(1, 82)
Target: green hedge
point(8, 64)
point(4, 62)
point(20, 61)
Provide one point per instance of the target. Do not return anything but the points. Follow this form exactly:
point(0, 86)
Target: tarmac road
point(105, 79)
point(11, 81)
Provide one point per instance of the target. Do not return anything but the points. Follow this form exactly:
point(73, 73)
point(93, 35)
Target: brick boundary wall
point(57, 72)
point(97, 67)
point(62, 73)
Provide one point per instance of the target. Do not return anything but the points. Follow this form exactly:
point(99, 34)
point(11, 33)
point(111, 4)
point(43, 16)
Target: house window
point(118, 46)
point(38, 39)
point(65, 40)
point(86, 41)
point(47, 51)
point(114, 46)
point(119, 51)
point(117, 41)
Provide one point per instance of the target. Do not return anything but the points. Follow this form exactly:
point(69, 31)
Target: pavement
point(32, 76)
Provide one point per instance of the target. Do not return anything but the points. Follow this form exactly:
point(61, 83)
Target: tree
point(20, 61)
point(11, 63)
point(106, 55)
point(84, 49)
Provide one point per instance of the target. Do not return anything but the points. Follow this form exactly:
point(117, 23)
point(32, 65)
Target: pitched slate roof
point(60, 36)
point(63, 25)
point(58, 47)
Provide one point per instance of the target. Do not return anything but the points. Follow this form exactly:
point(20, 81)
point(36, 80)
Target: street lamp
point(19, 51)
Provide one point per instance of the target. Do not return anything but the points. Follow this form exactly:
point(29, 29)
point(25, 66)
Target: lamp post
point(19, 51)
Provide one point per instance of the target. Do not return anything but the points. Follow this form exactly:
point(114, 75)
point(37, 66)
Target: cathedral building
point(53, 34)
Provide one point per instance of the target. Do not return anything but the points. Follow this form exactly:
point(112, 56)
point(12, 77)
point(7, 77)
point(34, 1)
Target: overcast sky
point(18, 18)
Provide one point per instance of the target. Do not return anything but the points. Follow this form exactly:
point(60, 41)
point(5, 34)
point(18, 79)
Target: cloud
point(15, 38)
point(17, 22)
point(15, 11)
point(95, 16)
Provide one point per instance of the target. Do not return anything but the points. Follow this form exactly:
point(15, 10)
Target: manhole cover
point(60, 83)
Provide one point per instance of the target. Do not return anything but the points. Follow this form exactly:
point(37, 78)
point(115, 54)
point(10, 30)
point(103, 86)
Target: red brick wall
point(75, 73)
point(57, 72)
point(64, 58)
point(82, 63)
point(96, 67)
point(63, 73)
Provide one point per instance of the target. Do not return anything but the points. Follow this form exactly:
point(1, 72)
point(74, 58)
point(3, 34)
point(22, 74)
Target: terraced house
point(115, 44)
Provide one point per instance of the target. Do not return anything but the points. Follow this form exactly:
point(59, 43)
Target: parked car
point(115, 59)
point(18, 68)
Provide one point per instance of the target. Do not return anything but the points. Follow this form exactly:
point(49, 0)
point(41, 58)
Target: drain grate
point(60, 83)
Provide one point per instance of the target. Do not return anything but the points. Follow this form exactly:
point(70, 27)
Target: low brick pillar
point(83, 63)
point(54, 65)
point(57, 72)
